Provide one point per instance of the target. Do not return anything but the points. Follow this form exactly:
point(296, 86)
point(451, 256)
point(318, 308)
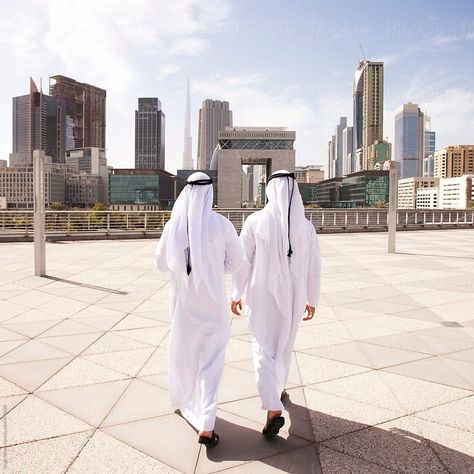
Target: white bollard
point(392, 208)
point(39, 191)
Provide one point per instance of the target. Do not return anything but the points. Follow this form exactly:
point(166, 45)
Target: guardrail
point(133, 224)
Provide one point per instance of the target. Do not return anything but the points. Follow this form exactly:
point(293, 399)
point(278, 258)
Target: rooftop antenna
point(362, 51)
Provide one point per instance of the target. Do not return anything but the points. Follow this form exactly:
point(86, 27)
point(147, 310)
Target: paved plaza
point(382, 379)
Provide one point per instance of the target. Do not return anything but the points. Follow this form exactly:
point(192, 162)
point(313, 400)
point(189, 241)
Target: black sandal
point(209, 442)
point(272, 428)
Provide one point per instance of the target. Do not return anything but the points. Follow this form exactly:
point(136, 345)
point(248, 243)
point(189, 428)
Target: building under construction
point(85, 111)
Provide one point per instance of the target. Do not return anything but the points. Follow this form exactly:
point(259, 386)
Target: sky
point(286, 63)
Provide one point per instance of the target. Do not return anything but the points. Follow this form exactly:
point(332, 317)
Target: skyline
point(276, 67)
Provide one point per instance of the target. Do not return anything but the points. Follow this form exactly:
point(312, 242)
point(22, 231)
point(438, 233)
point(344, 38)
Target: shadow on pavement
point(396, 450)
point(86, 285)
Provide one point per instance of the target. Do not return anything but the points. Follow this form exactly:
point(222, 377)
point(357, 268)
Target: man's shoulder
point(222, 221)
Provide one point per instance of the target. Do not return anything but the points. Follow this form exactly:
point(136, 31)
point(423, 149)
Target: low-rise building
point(92, 161)
point(456, 193)
point(16, 185)
point(408, 187)
point(453, 161)
point(309, 174)
point(427, 198)
point(84, 190)
point(131, 189)
point(367, 188)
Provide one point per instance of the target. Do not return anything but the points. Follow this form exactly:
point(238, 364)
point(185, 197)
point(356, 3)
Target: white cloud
point(257, 101)
point(124, 47)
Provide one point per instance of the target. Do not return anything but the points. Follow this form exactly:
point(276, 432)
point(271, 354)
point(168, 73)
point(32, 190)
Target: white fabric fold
point(190, 226)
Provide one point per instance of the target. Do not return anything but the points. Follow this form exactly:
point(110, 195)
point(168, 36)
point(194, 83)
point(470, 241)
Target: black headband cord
point(197, 182)
point(290, 250)
point(200, 182)
point(290, 199)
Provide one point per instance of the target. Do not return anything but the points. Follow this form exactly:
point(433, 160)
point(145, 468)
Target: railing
point(151, 223)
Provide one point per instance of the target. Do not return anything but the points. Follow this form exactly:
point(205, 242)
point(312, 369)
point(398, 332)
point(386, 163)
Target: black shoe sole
point(273, 428)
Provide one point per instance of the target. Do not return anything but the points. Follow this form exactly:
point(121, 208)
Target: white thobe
point(200, 327)
point(274, 328)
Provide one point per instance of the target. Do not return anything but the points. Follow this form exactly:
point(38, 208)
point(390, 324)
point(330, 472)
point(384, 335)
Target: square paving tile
point(315, 369)
point(455, 373)
point(178, 448)
point(241, 442)
point(31, 351)
point(104, 454)
point(30, 375)
point(34, 419)
point(338, 463)
point(392, 391)
point(366, 355)
point(139, 401)
point(396, 445)
point(52, 456)
point(100, 397)
point(458, 414)
point(81, 372)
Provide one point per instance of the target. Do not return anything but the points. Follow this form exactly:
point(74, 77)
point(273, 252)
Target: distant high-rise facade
point(214, 116)
point(430, 138)
point(367, 109)
point(85, 111)
point(339, 160)
point(39, 123)
point(409, 139)
point(149, 134)
point(348, 166)
point(332, 157)
point(187, 148)
point(454, 161)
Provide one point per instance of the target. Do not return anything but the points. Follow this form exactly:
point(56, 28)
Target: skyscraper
point(332, 157)
point(368, 108)
point(430, 138)
point(187, 149)
point(85, 111)
point(39, 123)
point(347, 166)
point(214, 115)
point(149, 134)
point(409, 139)
point(339, 146)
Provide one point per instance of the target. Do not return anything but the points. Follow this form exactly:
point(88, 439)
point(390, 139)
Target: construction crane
point(362, 51)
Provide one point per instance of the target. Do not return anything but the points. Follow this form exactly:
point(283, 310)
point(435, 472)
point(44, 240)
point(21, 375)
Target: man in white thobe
point(281, 274)
point(198, 247)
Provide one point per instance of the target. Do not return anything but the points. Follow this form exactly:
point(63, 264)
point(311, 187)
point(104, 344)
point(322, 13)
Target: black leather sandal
point(272, 428)
point(209, 442)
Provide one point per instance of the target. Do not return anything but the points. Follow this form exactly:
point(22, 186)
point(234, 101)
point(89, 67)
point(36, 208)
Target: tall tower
point(149, 134)
point(214, 115)
point(339, 160)
point(187, 149)
point(368, 108)
point(409, 139)
point(39, 123)
point(85, 111)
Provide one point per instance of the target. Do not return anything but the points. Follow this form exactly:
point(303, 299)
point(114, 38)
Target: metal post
point(39, 191)
point(392, 208)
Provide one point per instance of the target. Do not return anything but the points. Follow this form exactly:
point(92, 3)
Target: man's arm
point(240, 280)
point(161, 252)
point(314, 276)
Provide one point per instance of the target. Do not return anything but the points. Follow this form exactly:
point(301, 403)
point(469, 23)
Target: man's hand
point(310, 310)
point(235, 306)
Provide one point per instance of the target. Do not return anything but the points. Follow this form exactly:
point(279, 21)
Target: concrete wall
point(229, 165)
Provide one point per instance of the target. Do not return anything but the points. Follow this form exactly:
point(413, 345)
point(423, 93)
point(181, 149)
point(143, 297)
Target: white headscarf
point(190, 233)
point(285, 245)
